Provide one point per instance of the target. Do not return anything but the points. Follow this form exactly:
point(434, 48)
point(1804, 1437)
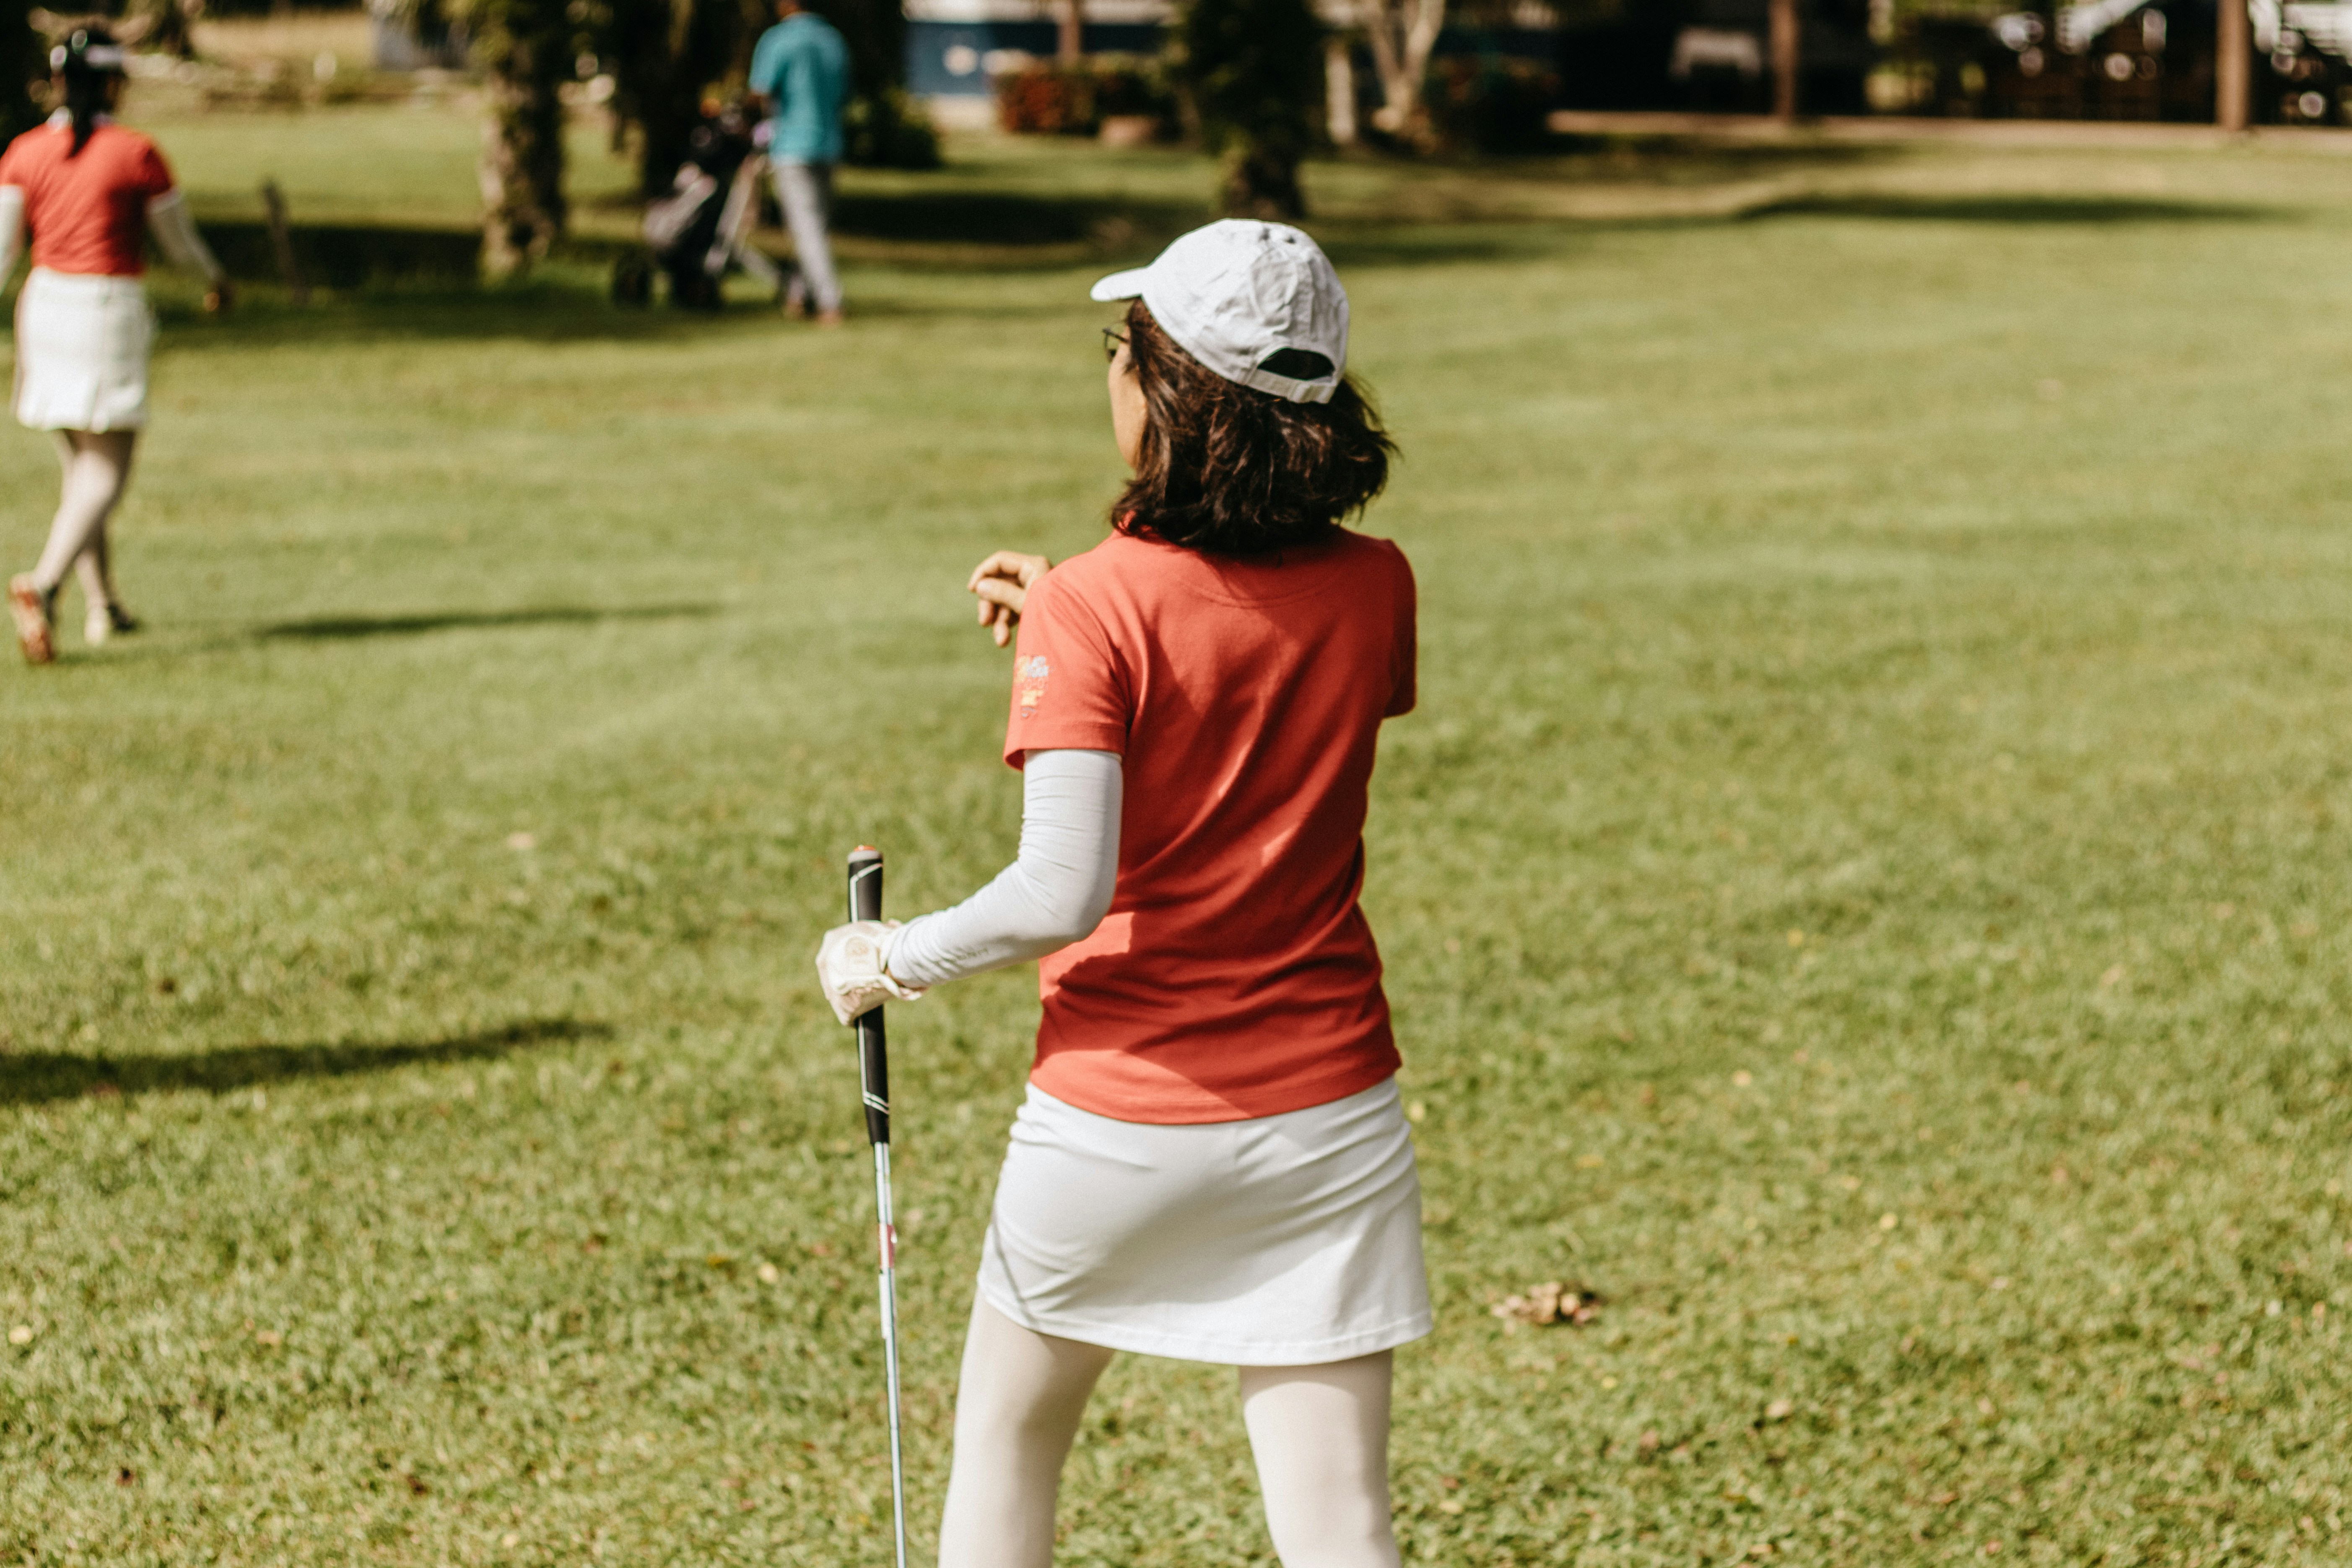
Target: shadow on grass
point(336, 628)
point(1683, 152)
point(32, 1078)
point(2014, 209)
point(1009, 218)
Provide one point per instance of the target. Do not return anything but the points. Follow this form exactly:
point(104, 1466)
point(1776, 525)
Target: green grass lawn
point(1864, 890)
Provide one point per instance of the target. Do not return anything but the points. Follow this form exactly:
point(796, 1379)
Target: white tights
point(96, 466)
point(1320, 1435)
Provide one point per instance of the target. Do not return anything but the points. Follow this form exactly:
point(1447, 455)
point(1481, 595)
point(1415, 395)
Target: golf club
point(873, 1082)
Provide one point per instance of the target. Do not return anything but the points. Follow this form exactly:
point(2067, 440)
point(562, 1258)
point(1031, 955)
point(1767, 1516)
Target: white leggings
point(1320, 1435)
point(96, 467)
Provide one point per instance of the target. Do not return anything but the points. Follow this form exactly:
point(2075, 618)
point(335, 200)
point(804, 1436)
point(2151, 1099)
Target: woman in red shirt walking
point(91, 191)
point(1211, 1162)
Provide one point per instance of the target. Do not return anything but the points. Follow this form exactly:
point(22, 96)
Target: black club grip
point(873, 1045)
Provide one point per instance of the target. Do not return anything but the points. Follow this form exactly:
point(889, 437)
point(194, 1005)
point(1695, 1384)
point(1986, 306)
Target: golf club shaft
point(874, 1085)
point(888, 1287)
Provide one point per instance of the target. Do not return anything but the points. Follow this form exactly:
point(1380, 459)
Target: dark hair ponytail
point(87, 62)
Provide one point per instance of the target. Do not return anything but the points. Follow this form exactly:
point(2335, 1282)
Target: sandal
point(33, 611)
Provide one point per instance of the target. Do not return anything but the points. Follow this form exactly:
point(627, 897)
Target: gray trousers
point(805, 191)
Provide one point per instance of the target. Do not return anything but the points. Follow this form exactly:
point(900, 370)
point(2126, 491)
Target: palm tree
point(526, 49)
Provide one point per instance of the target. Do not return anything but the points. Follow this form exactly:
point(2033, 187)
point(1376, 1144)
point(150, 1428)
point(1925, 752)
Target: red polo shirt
point(88, 212)
point(1235, 975)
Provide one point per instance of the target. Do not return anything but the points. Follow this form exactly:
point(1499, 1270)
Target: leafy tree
point(1251, 73)
point(884, 126)
point(665, 55)
point(24, 64)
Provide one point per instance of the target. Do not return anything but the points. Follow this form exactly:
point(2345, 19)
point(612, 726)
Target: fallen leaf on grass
point(1551, 1302)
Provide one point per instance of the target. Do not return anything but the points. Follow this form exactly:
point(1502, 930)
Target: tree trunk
point(2232, 68)
point(661, 54)
point(1402, 34)
point(666, 118)
point(1783, 16)
point(1260, 181)
point(1070, 37)
point(1339, 92)
point(522, 140)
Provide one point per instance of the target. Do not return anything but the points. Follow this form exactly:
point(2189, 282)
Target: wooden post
point(1070, 41)
point(281, 240)
point(2232, 68)
point(1784, 59)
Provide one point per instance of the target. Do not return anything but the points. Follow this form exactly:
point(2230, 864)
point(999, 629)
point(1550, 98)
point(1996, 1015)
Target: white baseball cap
point(1257, 303)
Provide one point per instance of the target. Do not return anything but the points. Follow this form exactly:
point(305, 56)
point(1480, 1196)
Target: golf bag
point(703, 227)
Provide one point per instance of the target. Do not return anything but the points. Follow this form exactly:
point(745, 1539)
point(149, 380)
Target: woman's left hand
point(853, 966)
point(1001, 585)
point(220, 298)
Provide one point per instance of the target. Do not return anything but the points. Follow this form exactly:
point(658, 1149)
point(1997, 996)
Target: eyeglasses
point(1113, 341)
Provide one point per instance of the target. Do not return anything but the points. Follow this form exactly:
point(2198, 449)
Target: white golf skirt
point(81, 352)
point(1285, 1240)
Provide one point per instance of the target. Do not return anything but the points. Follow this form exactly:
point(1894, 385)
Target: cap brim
point(1127, 285)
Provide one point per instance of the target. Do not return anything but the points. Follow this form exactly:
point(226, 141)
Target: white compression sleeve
point(1056, 892)
point(176, 237)
point(12, 228)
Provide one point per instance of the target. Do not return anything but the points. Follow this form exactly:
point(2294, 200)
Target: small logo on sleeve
point(1029, 683)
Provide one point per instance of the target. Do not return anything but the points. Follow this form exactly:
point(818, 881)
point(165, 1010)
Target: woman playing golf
point(91, 191)
point(1211, 1162)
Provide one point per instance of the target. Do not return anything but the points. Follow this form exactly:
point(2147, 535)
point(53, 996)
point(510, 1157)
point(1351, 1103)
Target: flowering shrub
point(1049, 97)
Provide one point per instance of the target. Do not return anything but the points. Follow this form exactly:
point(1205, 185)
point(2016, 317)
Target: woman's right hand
point(1001, 585)
point(220, 298)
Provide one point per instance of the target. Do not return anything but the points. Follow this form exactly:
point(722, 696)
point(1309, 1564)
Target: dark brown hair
point(89, 90)
point(1232, 470)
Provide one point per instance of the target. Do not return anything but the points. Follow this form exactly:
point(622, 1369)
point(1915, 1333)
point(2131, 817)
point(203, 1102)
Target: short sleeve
point(1405, 655)
point(1070, 688)
point(152, 177)
point(765, 58)
point(12, 161)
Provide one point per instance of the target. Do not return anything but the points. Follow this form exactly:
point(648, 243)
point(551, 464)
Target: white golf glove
point(849, 965)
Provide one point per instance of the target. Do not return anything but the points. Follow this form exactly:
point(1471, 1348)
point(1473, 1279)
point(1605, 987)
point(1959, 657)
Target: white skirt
point(1285, 1240)
point(81, 352)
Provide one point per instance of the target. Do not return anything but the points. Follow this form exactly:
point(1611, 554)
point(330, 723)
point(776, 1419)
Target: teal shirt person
point(802, 67)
